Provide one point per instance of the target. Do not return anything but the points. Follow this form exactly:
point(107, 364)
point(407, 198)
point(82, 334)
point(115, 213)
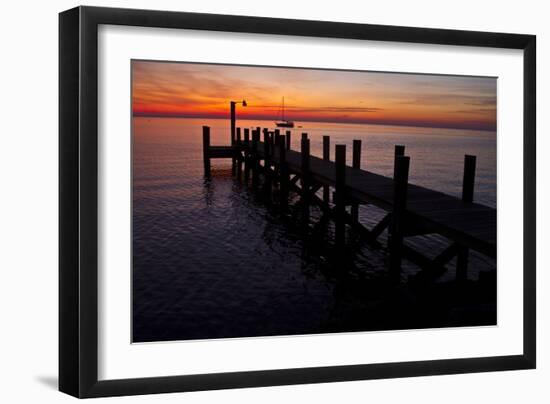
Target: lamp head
point(244, 103)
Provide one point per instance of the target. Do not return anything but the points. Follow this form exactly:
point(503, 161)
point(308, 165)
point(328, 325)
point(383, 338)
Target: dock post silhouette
point(468, 197)
point(233, 122)
point(255, 158)
point(356, 163)
point(268, 146)
point(305, 200)
point(395, 241)
point(339, 195)
point(399, 150)
point(283, 175)
point(288, 137)
point(326, 157)
point(238, 147)
point(246, 157)
point(206, 150)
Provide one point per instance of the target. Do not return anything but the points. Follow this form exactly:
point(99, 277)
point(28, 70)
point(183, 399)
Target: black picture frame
point(78, 201)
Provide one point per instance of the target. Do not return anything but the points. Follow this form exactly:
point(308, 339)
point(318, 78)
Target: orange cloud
point(204, 90)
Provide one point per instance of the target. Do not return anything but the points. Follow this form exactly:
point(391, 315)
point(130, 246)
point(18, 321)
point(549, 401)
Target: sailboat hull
point(284, 124)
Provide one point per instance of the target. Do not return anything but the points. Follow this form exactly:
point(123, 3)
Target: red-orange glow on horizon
point(202, 90)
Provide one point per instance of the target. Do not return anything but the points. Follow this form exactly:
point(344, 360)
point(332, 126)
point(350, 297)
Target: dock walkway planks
point(470, 224)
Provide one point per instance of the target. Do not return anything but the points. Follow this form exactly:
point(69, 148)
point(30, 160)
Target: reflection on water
point(211, 260)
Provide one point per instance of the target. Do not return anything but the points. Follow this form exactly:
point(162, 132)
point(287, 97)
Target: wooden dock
point(411, 209)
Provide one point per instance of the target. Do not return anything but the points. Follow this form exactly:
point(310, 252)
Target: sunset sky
point(204, 90)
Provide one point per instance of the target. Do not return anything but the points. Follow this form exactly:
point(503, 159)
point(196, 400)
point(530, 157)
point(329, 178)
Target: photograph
point(254, 203)
point(275, 201)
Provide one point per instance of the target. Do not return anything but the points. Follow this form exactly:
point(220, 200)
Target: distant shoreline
point(323, 122)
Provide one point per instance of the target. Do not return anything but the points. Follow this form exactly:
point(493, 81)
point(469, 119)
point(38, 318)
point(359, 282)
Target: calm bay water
point(211, 261)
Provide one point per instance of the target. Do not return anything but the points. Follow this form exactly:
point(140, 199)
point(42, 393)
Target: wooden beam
point(206, 149)
point(314, 188)
point(468, 182)
point(283, 175)
point(232, 134)
point(326, 157)
point(340, 201)
point(237, 149)
point(233, 138)
point(255, 160)
point(399, 151)
point(395, 241)
point(446, 255)
point(246, 154)
point(381, 225)
point(356, 163)
point(276, 135)
point(267, 164)
point(430, 270)
point(305, 197)
point(288, 140)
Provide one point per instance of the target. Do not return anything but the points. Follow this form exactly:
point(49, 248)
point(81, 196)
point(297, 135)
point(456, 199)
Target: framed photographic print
point(249, 201)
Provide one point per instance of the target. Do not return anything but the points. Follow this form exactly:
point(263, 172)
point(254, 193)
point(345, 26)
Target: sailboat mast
point(284, 123)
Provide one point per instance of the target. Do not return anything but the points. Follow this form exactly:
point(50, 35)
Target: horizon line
point(380, 123)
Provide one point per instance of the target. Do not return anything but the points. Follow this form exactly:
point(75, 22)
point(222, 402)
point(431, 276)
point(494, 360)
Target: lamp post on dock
point(233, 105)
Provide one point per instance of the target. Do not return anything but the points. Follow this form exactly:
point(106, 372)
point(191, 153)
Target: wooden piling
point(468, 179)
point(326, 157)
point(288, 137)
point(267, 162)
point(283, 175)
point(340, 196)
point(356, 163)
point(395, 241)
point(399, 151)
point(468, 182)
point(255, 164)
point(232, 123)
point(276, 136)
point(306, 182)
point(246, 153)
point(206, 149)
point(326, 148)
point(233, 139)
point(238, 148)
point(267, 148)
point(356, 160)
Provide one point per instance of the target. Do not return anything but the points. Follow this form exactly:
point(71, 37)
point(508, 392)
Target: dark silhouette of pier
point(410, 209)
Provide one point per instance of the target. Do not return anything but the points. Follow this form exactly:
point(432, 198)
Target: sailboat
point(284, 123)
